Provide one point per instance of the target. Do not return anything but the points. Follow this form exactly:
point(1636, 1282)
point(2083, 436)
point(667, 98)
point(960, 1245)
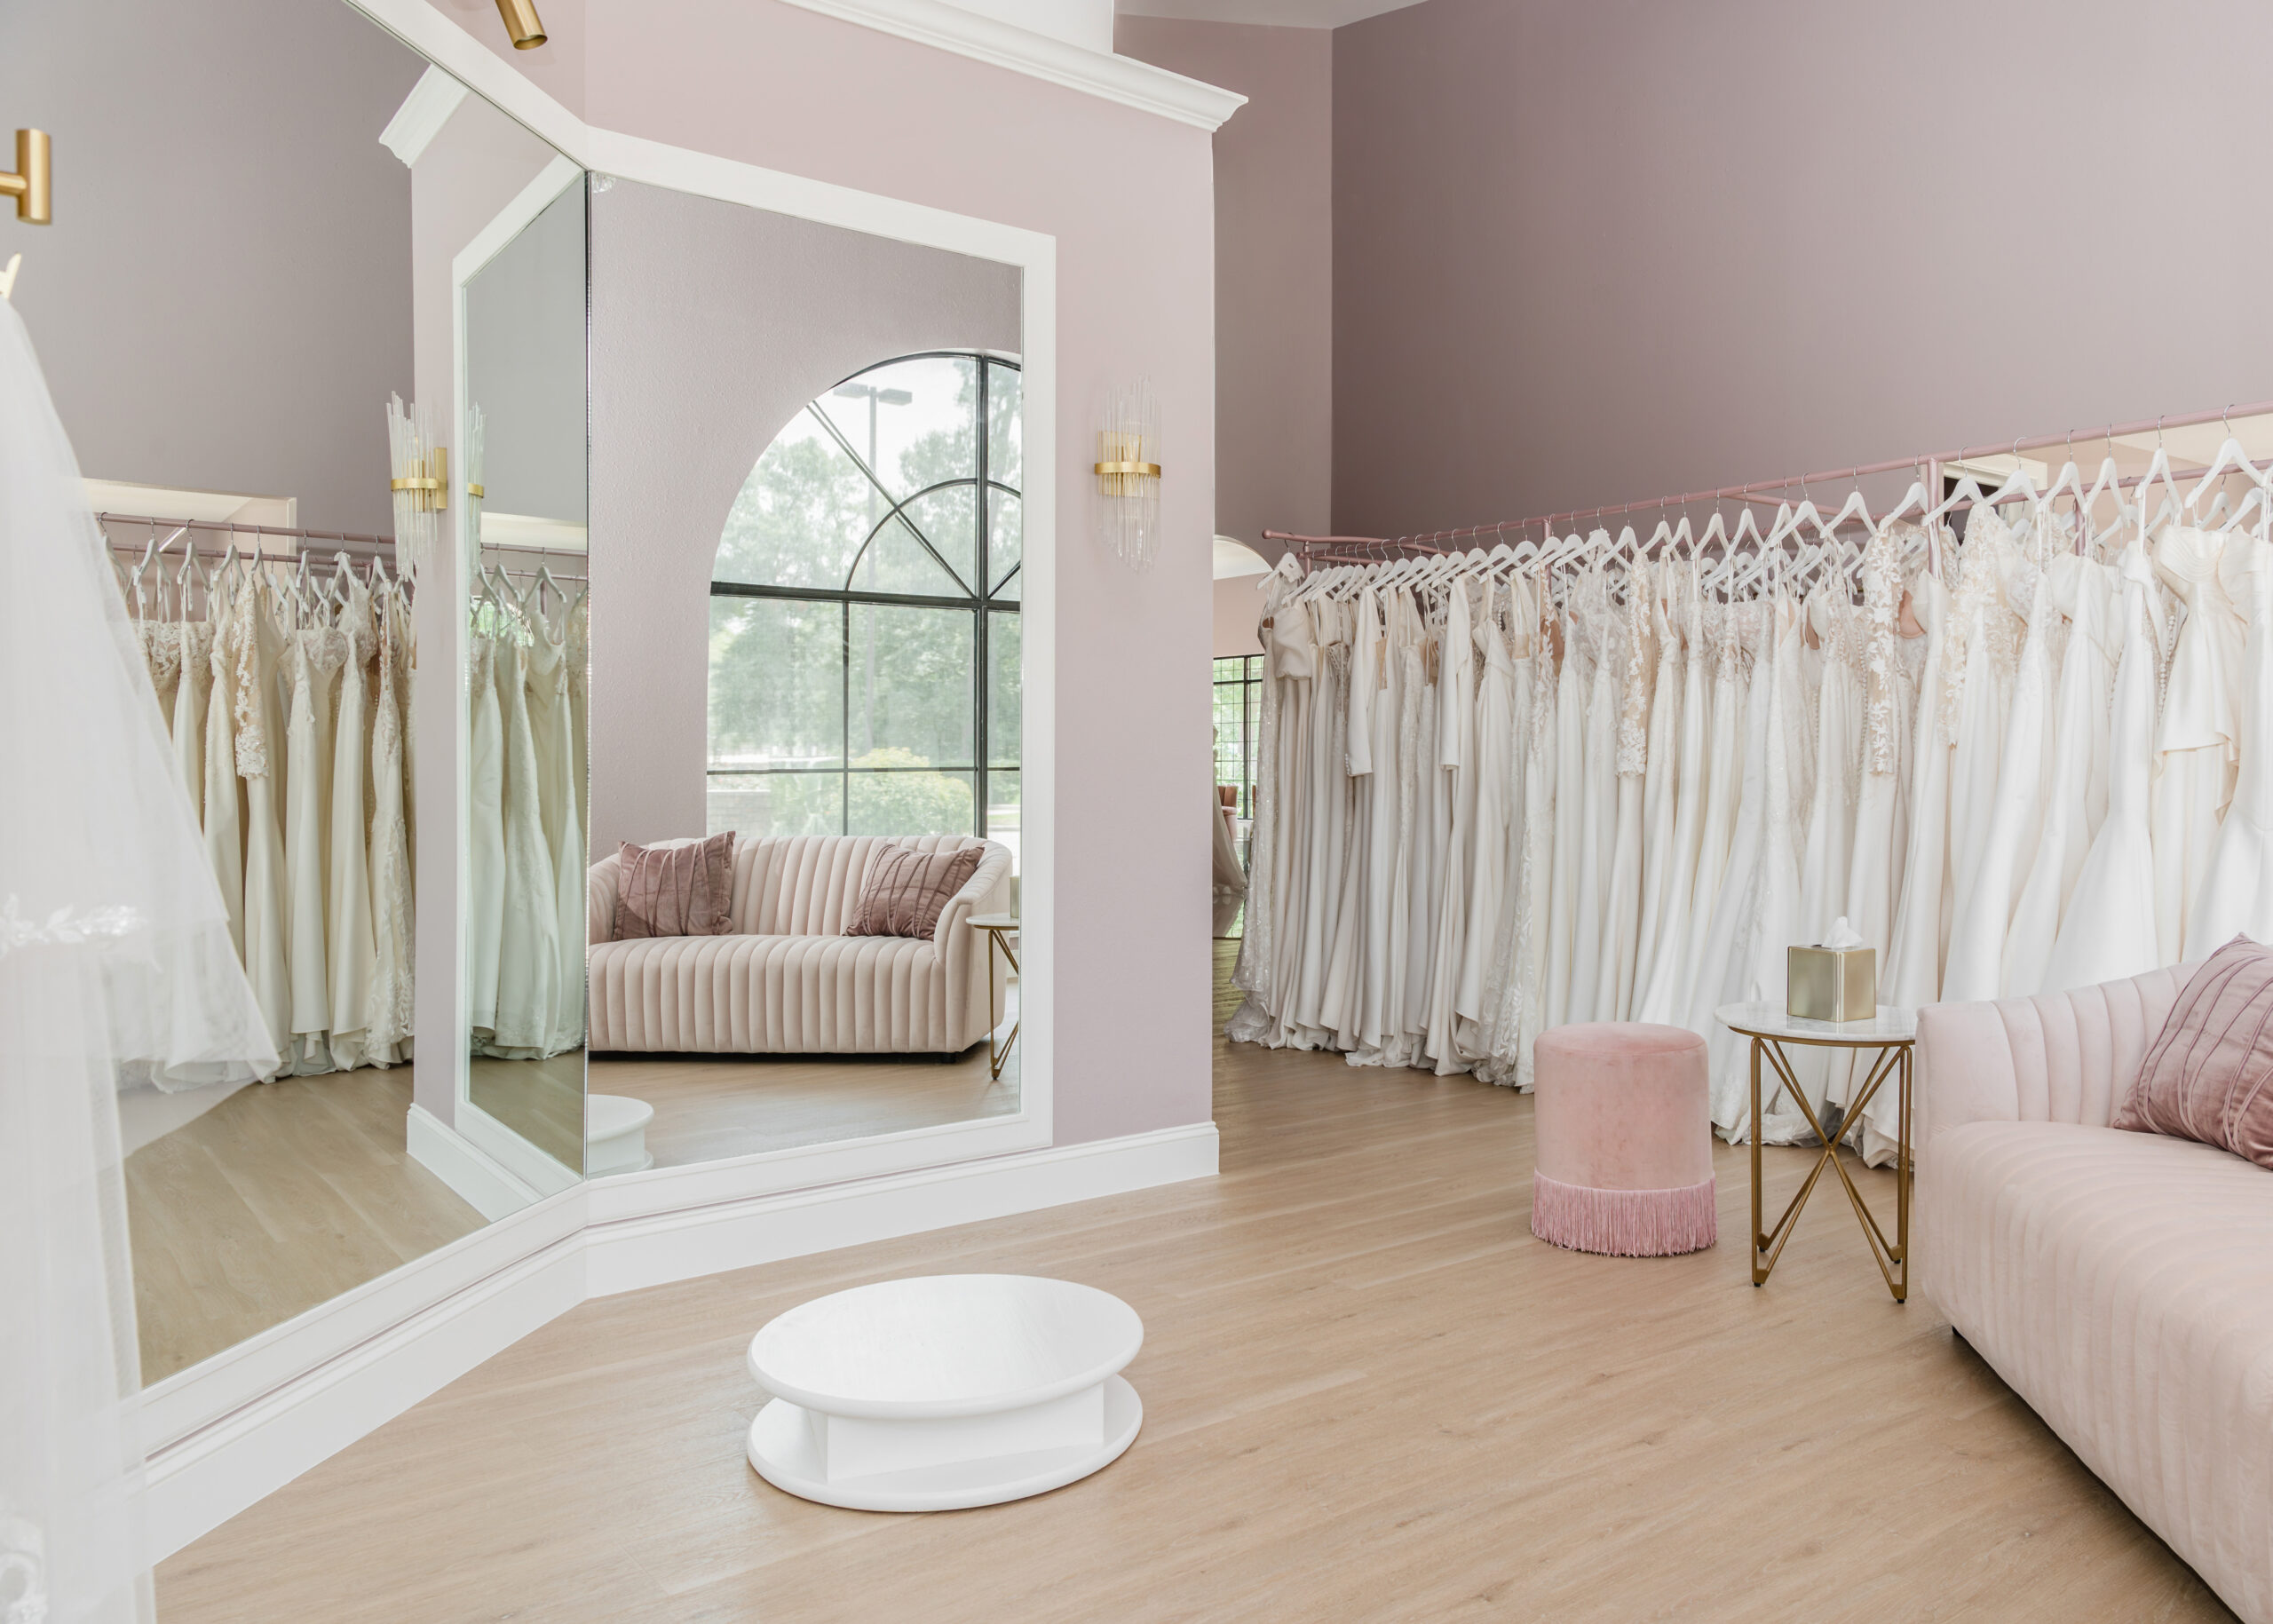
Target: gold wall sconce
point(1128, 475)
point(30, 184)
point(430, 486)
point(522, 24)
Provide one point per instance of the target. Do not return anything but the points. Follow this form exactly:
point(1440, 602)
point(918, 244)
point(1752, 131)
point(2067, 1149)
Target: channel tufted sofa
point(2121, 1283)
point(787, 980)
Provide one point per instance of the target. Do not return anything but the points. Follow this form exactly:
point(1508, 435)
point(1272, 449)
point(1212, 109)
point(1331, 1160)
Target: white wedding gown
point(116, 960)
point(2108, 931)
point(2236, 894)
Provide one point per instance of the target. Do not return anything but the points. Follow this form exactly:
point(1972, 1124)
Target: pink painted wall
point(1274, 274)
point(772, 84)
point(1594, 250)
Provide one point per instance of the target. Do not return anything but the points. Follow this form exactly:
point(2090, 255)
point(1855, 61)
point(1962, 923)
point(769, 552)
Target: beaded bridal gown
point(1673, 876)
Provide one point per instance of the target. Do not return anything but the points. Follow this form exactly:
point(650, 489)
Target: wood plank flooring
point(540, 1100)
point(281, 1197)
point(1369, 1394)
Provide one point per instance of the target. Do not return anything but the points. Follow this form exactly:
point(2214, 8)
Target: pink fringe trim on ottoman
point(1623, 1223)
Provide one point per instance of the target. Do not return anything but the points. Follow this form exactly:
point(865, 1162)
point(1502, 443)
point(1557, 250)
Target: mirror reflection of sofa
point(786, 978)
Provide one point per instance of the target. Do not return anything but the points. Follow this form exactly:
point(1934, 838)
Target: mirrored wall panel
point(807, 691)
point(527, 610)
point(243, 306)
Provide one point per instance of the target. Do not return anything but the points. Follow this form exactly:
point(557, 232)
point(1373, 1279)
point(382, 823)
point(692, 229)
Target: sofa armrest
point(2062, 1057)
point(959, 947)
point(599, 899)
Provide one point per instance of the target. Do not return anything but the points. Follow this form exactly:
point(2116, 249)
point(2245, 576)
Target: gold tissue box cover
point(1837, 984)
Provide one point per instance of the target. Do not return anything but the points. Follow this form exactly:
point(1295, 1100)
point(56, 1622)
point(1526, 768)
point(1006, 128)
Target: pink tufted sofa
point(2122, 1283)
point(787, 980)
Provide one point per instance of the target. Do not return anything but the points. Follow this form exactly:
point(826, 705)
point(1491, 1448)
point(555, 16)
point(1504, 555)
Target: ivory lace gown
point(392, 903)
point(564, 836)
point(1621, 890)
point(1662, 800)
point(2075, 799)
point(2108, 931)
point(1457, 764)
point(256, 647)
point(1257, 970)
point(528, 961)
point(222, 798)
point(1598, 627)
point(1764, 888)
point(353, 952)
point(312, 658)
point(1573, 682)
point(192, 695)
point(485, 839)
point(1985, 909)
point(1495, 767)
point(1723, 776)
point(1522, 1012)
point(1980, 658)
point(2236, 894)
point(2199, 736)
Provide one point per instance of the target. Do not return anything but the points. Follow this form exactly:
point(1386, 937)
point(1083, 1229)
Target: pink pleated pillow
point(2208, 1075)
point(906, 891)
point(675, 891)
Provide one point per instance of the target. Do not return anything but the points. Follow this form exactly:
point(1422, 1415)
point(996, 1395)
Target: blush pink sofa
point(2122, 1283)
point(787, 979)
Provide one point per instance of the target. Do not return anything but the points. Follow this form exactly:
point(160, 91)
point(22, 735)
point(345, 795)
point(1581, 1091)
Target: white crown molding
point(985, 39)
point(421, 115)
point(244, 1423)
point(1268, 13)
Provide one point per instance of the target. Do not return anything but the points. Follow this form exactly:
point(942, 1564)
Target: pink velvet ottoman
point(1624, 1130)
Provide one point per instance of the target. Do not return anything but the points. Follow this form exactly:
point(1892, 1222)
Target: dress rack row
point(1316, 549)
point(179, 526)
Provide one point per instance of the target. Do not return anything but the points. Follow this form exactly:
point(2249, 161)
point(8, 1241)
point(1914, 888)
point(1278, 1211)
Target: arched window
point(864, 612)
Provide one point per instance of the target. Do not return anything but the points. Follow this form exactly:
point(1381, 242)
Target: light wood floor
point(708, 1107)
point(1369, 1394)
point(540, 1100)
point(281, 1197)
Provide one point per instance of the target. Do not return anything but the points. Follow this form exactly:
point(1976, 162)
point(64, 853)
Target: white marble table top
point(1890, 1027)
point(944, 1344)
point(993, 922)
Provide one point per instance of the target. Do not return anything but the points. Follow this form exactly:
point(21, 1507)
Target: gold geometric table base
point(999, 929)
point(1892, 1256)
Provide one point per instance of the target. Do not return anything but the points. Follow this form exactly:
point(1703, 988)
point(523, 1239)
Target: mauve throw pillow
point(675, 891)
point(905, 889)
point(2208, 1075)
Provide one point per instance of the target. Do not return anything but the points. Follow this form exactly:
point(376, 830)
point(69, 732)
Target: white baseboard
point(510, 1151)
point(237, 1427)
point(488, 1186)
point(628, 1254)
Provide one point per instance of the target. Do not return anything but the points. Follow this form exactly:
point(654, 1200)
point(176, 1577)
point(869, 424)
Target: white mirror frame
point(232, 1429)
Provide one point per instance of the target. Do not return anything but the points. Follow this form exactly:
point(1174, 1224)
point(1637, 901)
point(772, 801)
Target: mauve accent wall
point(790, 90)
point(712, 326)
point(1274, 271)
point(1598, 251)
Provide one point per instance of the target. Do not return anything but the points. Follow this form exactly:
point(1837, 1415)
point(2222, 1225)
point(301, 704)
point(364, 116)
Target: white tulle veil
point(114, 960)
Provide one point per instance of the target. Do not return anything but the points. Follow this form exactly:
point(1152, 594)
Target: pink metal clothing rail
point(1437, 540)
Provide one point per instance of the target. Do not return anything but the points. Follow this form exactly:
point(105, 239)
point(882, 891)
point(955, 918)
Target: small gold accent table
point(1000, 928)
point(1892, 1032)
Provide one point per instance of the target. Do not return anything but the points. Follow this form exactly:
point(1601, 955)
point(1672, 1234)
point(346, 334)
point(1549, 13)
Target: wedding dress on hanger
point(2075, 800)
point(1661, 805)
point(2236, 894)
point(115, 958)
point(1457, 767)
point(2108, 931)
point(353, 952)
point(1985, 908)
point(2199, 734)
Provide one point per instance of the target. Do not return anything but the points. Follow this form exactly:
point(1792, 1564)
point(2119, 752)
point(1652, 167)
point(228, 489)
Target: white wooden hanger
point(2230, 459)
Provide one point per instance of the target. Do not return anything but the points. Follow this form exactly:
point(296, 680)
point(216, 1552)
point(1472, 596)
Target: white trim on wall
point(1040, 55)
point(421, 115)
point(242, 1425)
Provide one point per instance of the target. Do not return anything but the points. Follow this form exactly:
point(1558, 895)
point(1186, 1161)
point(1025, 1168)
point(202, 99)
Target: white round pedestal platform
point(944, 1391)
point(616, 1134)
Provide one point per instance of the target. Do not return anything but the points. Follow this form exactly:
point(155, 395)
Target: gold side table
point(999, 929)
point(1892, 1031)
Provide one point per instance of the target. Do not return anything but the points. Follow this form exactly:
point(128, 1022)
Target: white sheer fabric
point(115, 952)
